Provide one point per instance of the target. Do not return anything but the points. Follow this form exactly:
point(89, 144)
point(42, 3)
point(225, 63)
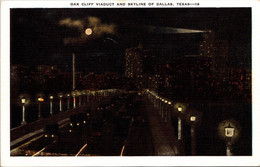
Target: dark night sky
point(37, 36)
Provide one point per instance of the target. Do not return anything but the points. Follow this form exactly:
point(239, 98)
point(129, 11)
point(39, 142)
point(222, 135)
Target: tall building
point(207, 45)
point(216, 51)
point(133, 68)
point(140, 64)
point(221, 58)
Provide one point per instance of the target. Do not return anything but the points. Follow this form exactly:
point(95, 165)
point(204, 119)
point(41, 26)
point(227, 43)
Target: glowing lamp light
point(23, 101)
point(51, 97)
point(192, 118)
point(40, 99)
point(162, 99)
point(88, 31)
point(180, 109)
point(169, 102)
point(229, 131)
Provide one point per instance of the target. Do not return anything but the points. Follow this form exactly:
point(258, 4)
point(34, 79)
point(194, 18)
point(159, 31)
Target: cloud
point(72, 24)
point(94, 21)
point(98, 29)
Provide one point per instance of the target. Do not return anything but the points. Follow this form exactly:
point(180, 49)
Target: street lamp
point(165, 111)
point(83, 92)
point(180, 109)
point(68, 101)
point(88, 32)
point(60, 101)
point(74, 99)
point(193, 134)
point(162, 101)
point(169, 110)
point(51, 99)
point(23, 101)
point(40, 100)
point(79, 94)
point(157, 105)
point(229, 133)
point(229, 130)
point(193, 118)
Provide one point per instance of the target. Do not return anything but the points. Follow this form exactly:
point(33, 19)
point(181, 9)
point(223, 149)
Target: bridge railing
point(179, 115)
point(27, 109)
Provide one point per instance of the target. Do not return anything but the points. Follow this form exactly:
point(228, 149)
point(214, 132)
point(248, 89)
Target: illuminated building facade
point(217, 52)
point(139, 63)
point(221, 58)
point(133, 68)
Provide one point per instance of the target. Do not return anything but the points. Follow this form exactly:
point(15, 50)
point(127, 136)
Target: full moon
point(88, 31)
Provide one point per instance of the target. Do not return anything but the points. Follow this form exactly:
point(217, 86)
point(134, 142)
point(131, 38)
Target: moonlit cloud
point(72, 23)
point(94, 23)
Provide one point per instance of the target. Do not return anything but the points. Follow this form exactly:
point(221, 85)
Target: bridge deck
point(32, 129)
point(155, 137)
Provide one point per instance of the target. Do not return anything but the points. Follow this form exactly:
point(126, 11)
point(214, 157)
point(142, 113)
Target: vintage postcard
point(130, 83)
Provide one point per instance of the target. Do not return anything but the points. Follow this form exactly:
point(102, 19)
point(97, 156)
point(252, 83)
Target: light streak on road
point(39, 151)
point(25, 144)
point(122, 151)
point(81, 150)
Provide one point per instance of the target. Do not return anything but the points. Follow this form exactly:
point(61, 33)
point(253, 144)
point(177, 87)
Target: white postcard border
point(6, 160)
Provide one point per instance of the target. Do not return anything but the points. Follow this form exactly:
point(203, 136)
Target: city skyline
point(45, 35)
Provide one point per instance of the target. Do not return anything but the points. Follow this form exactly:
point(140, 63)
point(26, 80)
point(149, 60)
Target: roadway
point(80, 141)
point(132, 127)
